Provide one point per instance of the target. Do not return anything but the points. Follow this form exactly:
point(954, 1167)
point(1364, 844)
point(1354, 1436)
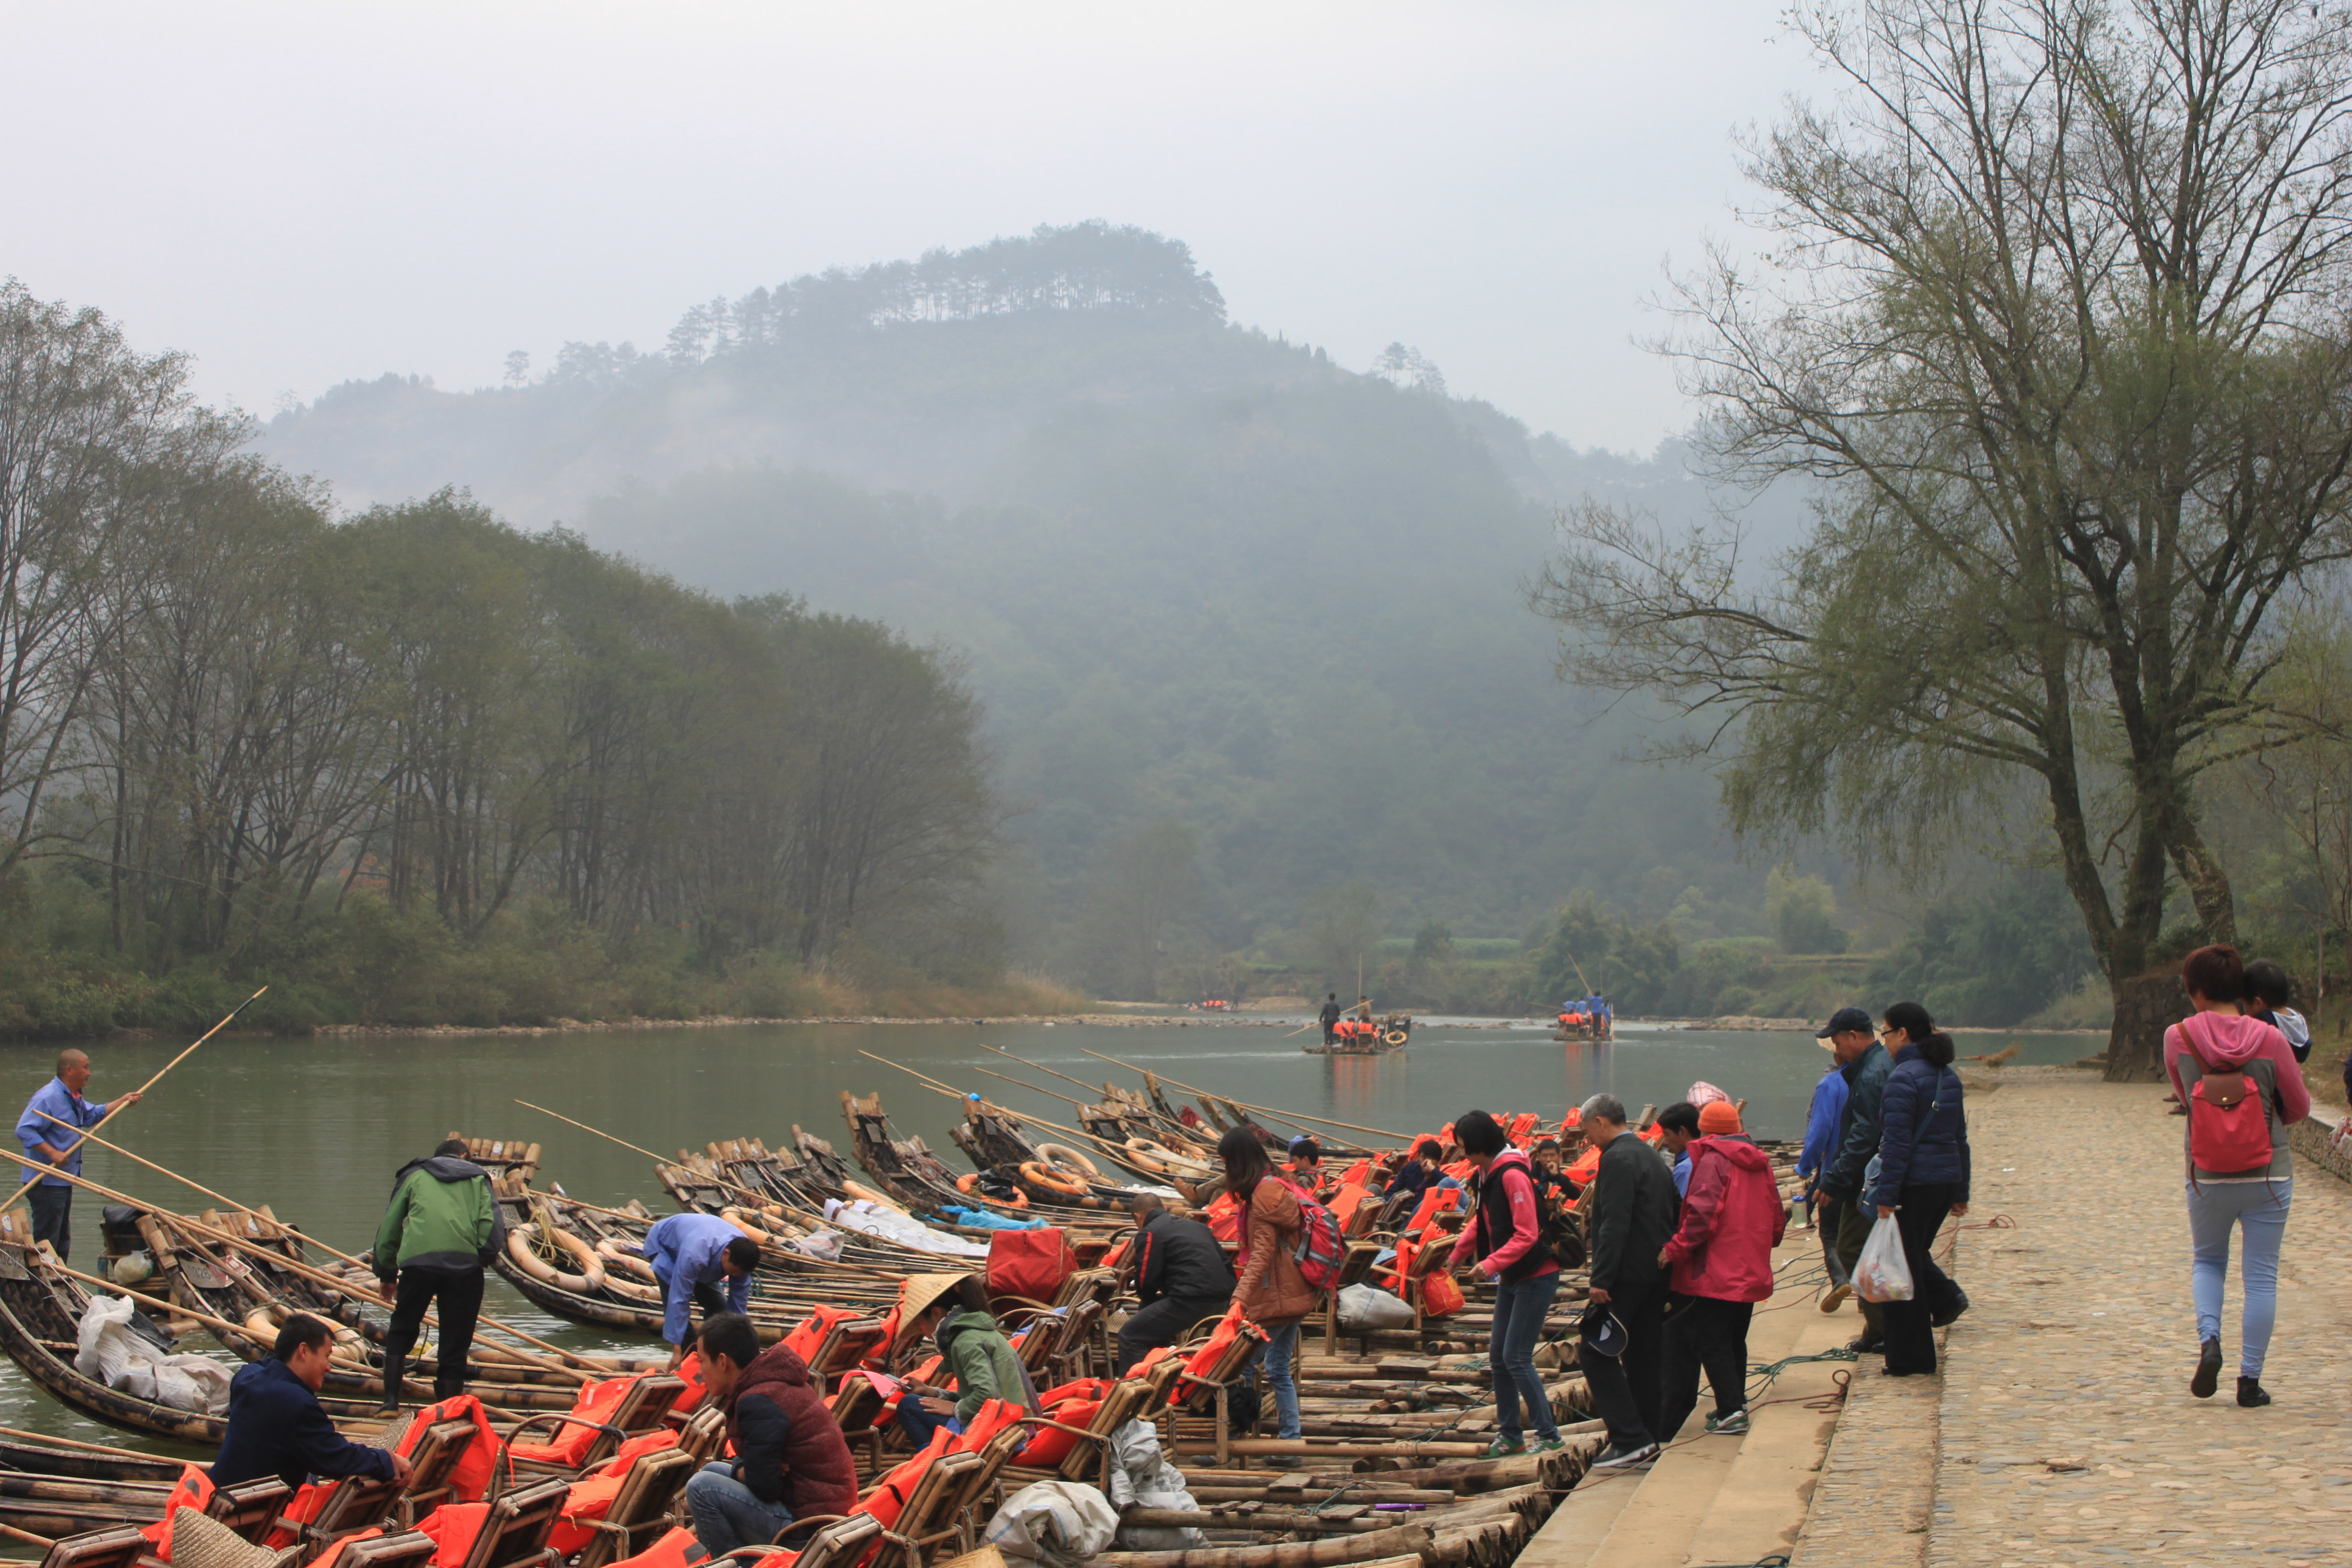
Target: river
point(315, 1128)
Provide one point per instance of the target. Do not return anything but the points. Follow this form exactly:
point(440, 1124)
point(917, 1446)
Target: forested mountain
point(1249, 626)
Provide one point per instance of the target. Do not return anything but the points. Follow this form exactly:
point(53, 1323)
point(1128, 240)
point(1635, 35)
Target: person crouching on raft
point(789, 1459)
point(1504, 1236)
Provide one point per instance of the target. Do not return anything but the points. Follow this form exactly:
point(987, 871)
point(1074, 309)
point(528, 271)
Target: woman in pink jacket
point(1721, 1256)
point(1505, 1238)
point(2239, 1079)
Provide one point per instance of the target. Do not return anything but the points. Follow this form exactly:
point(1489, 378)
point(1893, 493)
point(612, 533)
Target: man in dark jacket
point(1858, 1131)
point(275, 1425)
point(1330, 1017)
point(1631, 1219)
point(1181, 1277)
point(442, 1230)
point(790, 1460)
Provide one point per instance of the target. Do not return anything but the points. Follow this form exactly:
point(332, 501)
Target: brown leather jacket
point(1271, 1292)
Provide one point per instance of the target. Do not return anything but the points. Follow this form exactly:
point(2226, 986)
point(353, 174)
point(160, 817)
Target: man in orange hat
point(1721, 1256)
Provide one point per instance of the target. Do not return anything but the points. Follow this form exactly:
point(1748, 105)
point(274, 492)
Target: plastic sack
point(823, 1245)
point(1881, 1273)
point(110, 1347)
point(1053, 1522)
point(1369, 1306)
point(1141, 1476)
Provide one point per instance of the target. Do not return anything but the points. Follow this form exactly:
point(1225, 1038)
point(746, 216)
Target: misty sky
point(302, 194)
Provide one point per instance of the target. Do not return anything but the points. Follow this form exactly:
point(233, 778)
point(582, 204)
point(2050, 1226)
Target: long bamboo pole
point(12, 1532)
point(1040, 1067)
point(1277, 1115)
point(1034, 1088)
point(116, 1108)
point(45, 1440)
point(484, 1319)
point(943, 1089)
point(294, 1265)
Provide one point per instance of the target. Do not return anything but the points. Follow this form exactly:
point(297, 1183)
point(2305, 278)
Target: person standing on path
point(442, 1230)
point(1842, 1182)
point(1845, 1036)
point(1631, 1217)
point(1269, 1291)
point(1330, 1017)
point(1921, 1174)
point(1505, 1238)
point(2269, 989)
point(2241, 1173)
point(1721, 1255)
point(51, 1148)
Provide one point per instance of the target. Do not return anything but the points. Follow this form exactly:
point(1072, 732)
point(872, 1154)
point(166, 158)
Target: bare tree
point(2056, 322)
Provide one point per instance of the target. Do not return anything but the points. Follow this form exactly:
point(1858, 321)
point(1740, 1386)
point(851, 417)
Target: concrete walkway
point(2063, 1431)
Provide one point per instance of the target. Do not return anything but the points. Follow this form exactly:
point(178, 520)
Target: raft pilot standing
point(52, 1148)
point(442, 1230)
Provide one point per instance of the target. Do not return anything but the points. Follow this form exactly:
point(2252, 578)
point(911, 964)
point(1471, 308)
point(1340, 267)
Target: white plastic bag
point(1055, 1522)
point(1881, 1273)
point(108, 1347)
point(1369, 1306)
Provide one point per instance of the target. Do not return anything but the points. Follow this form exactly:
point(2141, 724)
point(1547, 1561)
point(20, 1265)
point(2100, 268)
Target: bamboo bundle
point(1401, 1544)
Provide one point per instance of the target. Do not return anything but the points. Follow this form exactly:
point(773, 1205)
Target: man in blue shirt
point(51, 1147)
point(690, 1254)
point(1845, 1035)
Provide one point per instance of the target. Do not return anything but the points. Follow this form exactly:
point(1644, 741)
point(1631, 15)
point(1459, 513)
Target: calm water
point(316, 1128)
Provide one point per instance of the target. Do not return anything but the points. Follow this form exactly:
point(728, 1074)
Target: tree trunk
point(2145, 1006)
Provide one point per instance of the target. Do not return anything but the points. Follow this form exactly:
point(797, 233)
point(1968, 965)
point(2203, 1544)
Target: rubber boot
point(447, 1388)
point(394, 1386)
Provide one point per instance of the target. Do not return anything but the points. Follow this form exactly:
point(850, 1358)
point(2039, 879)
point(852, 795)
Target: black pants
point(1704, 1334)
point(52, 1216)
point(1910, 1341)
point(455, 1294)
point(1331, 1033)
point(1163, 1323)
point(1625, 1388)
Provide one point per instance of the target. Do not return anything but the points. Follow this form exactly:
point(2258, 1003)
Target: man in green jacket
point(444, 1226)
point(1841, 1182)
point(954, 1310)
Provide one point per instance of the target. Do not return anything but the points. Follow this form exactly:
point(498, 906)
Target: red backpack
point(1318, 1250)
point(2229, 1116)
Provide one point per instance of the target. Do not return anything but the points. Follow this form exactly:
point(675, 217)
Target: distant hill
point(1205, 577)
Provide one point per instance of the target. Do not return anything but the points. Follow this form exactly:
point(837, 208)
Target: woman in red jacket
point(1506, 1235)
point(1722, 1260)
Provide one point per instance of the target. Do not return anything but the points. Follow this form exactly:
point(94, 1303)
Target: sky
point(303, 194)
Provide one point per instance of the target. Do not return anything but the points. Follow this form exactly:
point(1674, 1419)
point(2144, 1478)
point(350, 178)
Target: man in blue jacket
point(1846, 1035)
point(275, 1425)
point(1858, 1131)
point(691, 1255)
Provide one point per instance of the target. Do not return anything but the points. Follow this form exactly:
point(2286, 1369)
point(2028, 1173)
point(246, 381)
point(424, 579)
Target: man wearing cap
point(1631, 1217)
point(1721, 1255)
point(1844, 1036)
point(1858, 1141)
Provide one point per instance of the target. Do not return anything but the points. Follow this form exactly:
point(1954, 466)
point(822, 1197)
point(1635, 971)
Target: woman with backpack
point(1920, 1175)
point(2239, 1079)
point(1270, 1290)
point(1505, 1236)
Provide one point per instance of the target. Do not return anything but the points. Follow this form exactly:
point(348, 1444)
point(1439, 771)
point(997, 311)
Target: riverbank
point(574, 1026)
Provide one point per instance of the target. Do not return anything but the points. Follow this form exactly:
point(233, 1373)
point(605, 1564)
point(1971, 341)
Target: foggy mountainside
point(1249, 626)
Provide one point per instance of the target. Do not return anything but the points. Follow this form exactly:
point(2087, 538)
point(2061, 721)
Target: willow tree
point(2054, 320)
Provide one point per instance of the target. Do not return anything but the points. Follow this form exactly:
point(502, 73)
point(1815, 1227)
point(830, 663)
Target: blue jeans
point(2260, 1209)
point(1274, 1361)
point(1519, 1311)
point(725, 1514)
point(917, 1423)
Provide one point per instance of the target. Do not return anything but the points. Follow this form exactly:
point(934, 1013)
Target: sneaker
point(1836, 1297)
point(1960, 1305)
point(1503, 1447)
point(2208, 1377)
point(1731, 1425)
point(1549, 1446)
point(2250, 1393)
point(1613, 1458)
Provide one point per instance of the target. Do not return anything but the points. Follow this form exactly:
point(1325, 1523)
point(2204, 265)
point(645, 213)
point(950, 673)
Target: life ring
point(965, 1184)
point(1063, 1155)
point(1162, 1161)
point(1395, 1037)
point(1052, 1180)
point(587, 1282)
point(734, 1216)
point(619, 1261)
point(871, 1196)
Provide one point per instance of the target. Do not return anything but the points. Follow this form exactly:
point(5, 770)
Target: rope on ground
point(1761, 1376)
point(1778, 1560)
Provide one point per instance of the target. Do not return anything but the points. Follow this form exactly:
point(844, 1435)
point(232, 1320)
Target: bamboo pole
point(484, 1319)
point(116, 1108)
point(1035, 1067)
point(754, 1196)
point(1277, 1115)
point(1031, 1088)
point(46, 1441)
point(318, 1276)
point(1398, 1544)
point(1022, 1116)
point(40, 1540)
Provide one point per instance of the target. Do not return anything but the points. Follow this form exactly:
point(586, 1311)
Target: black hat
point(1842, 1020)
point(1601, 1330)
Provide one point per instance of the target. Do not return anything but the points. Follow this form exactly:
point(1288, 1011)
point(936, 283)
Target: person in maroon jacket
point(790, 1460)
point(1722, 1262)
point(1505, 1236)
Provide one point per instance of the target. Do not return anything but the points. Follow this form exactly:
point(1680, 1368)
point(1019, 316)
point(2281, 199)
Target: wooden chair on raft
point(641, 1511)
point(409, 1548)
point(839, 1544)
point(118, 1546)
point(250, 1509)
point(515, 1534)
point(643, 1407)
point(704, 1434)
point(846, 1344)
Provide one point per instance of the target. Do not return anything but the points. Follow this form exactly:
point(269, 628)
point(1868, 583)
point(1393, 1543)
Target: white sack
point(1141, 1476)
point(108, 1349)
point(1053, 1522)
point(1369, 1306)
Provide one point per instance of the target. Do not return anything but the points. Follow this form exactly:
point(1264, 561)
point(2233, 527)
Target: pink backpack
point(2229, 1121)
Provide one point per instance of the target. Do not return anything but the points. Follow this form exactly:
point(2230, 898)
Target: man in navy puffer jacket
point(1923, 1175)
